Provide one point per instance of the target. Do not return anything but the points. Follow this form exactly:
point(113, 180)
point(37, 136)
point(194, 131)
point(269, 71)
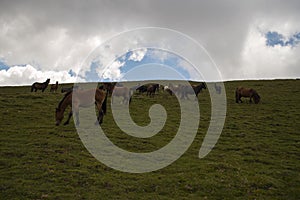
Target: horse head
point(59, 115)
point(256, 98)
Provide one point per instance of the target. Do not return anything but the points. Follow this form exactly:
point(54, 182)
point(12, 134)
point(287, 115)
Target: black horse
point(40, 86)
point(142, 89)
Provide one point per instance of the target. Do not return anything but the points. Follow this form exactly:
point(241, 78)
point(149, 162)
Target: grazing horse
point(54, 87)
point(81, 99)
point(121, 92)
point(40, 86)
point(142, 89)
point(168, 90)
point(185, 90)
point(69, 89)
point(152, 89)
point(173, 89)
point(218, 88)
point(246, 92)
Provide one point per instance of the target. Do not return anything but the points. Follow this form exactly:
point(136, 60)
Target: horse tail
point(32, 87)
point(104, 107)
point(130, 92)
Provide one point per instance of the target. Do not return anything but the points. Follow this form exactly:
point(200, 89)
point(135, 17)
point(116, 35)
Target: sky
point(251, 39)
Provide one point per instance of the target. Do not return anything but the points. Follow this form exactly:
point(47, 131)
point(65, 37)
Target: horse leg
point(182, 95)
point(238, 99)
point(69, 117)
point(77, 118)
point(100, 117)
point(196, 97)
point(100, 114)
point(76, 110)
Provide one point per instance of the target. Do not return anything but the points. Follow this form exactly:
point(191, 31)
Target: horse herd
point(77, 97)
point(42, 86)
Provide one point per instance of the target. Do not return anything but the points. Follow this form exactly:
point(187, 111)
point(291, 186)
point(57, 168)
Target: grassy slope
point(256, 157)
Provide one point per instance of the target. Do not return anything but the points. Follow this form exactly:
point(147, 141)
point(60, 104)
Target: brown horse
point(40, 86)
point(54, 87)
point(81, 99)
point(246, 92)
point(121, 92)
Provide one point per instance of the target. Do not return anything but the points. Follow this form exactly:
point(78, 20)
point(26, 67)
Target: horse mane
point(67, 94)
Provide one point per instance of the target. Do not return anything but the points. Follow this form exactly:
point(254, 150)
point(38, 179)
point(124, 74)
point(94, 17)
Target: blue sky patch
point(171, 60)
point(3, 66)
point(274, 38)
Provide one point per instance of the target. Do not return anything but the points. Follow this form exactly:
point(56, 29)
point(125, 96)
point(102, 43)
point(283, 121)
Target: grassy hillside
point(256, 157)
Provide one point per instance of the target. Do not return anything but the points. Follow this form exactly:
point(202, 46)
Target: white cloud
point(26, 75)
point(161, 55)
point(138, 55)
point(114, 72)
point(262, 61)
point(54, 37)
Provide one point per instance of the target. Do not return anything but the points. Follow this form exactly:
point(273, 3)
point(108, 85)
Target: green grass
point(256, 157)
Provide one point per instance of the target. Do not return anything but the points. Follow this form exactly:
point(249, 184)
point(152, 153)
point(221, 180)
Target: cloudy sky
point(252, 39)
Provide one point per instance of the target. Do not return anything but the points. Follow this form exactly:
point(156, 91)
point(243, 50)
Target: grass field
point(256, 157)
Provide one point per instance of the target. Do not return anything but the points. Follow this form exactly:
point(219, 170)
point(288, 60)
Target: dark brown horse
point(81, 98)
point(152, 89)
point(40, 86)
point(54, 87)
point(185, 90)
point(109, 87)
point(246, 92)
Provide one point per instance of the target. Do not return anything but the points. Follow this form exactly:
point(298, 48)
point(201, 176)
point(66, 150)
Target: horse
point(121, 92)
point(109, 87)
point(195, 89)
point(246, 92)
point(40, 86)
point(152, 89)
point(80, 99)
point(63, 90)
point(142, 89)
point(175, 89)
point(54, 87)
point(168, 90)
point(217, 88)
